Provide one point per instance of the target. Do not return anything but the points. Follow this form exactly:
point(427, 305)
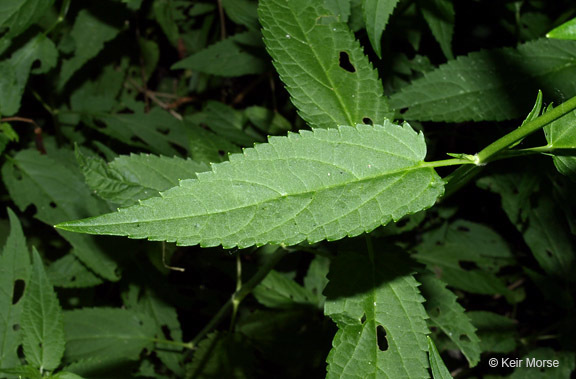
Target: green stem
point(490, 151)
point(61, 16)
point(240, 294)
point(447, 162)
point(174, 343)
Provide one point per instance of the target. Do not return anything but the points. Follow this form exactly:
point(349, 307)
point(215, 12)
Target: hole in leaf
point(99, 124)
point(164, 131)
point(16, 327)
point(166, 332)
point(464, 338)
point(403, 110)
point(381, 337)
point(20, 352)
point(345, 62)
point(367, 121)
point(463, 229)
point(515, 191)
point(53, 204)
point(137, 139)
point(363, 319)
point(221, 153)
point(73, 278)
point(549, 253)
point(467, 265)
point(18, 290)
point(433, 329)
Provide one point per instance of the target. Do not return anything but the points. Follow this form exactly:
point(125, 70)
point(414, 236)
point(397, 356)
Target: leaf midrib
point(275, 198)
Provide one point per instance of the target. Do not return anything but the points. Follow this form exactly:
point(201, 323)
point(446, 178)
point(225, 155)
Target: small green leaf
point(54, 185)
point(89, 34)
point(242, 12)
point(312, 186)
point(43, 333)
point(467, 255)
point(14, 274)
point(381, 321)
point(561, 134)
point(439, 370)
point(28, 372)
point(167, 16)
point(70, 272)
point(15, 71)
point(279, 291)
point(439, 14)
point(329, 78)
point(18, 15)
point(497, 333)
point(491, 85)
point(376, 14)
point(222, 355)
point(267, 120)
point(447, 315)
point(565, 31)
point(129, 178)
point(107, 333)
point(230, 57)
point(315, 280)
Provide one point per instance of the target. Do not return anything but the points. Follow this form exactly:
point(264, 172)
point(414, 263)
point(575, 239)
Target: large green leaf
point(42, 329)
point(14, 273)
point(107, 333)
point(497, 333)
point(56, 188)
point(129, 178)
point(446, 314)
point(561, 134)
point(376, 14)
point(328, 76)
point(14, 72)
point(565, 31)
point(491, 85)
point(324, 184)
point(380, 317)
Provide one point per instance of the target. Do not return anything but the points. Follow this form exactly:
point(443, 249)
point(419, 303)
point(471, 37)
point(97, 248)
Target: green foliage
point(331, 82)
point(302, 227)
point(284, 192)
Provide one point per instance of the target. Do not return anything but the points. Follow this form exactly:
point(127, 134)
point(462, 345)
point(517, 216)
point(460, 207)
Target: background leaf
point(106, 333)
point(439, 370)
point(42, 329)
point(492, 84)
point(301, 187)
point(330, 80)
point(439, 14)
point(376, 14)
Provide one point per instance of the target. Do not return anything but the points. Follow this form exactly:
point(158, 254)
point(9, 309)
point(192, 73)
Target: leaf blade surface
point(312, 186)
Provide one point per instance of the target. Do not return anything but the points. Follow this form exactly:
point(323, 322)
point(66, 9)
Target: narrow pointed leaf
point(439, 14)
point(364, 296)
point(447, 315)
point(42, 320)
point(376, 15)
point(325, 184)
point(565, 31)
point(14, 267)
point(439, 370)
point(491, 85)
point(328, 76)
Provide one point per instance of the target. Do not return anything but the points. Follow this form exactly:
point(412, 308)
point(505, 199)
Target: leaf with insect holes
point(381, 321)
point(329, 78)
point(14, 273)
point(316, 185)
